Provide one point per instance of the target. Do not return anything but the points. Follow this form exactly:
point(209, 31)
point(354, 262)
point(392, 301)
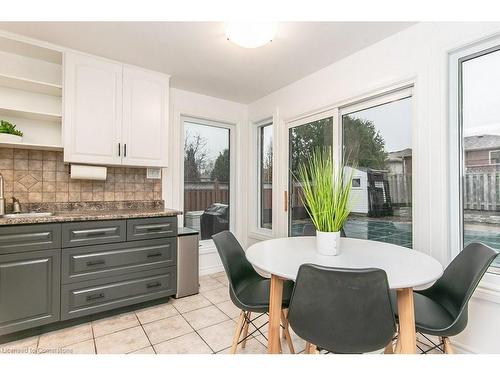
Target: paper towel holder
point(87, 172)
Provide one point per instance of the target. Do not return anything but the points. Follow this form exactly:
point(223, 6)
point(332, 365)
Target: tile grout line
point(202, 339)
point(93, 337)
point(145, 333)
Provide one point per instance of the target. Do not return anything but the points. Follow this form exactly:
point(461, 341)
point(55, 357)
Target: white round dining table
point(405, 268)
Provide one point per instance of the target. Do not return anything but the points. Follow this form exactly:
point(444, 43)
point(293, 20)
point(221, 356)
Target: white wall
point(420, 55)
point(185, 103)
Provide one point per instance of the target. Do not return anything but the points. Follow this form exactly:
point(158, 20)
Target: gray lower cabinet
point(95, 296)
point(29, 289)
point(53, 272)
point(91, 262)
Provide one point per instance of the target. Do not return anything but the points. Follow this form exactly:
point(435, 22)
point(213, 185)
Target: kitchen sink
point(28, 215)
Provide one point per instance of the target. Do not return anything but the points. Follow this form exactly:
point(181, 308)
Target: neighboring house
point(482, 153)
point(400, 162)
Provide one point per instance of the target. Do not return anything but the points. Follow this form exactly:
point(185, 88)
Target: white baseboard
point(209, 261)
point(211, 270)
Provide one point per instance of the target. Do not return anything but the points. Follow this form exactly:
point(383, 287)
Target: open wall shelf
point(30, 85)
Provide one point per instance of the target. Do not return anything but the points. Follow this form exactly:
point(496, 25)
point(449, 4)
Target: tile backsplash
point(35, 176)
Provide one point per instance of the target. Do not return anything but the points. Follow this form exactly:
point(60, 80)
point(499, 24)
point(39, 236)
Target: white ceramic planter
point(328, 243)
point(10, 138)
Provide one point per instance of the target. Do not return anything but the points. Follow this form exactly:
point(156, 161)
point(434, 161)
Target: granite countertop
point(88, 215)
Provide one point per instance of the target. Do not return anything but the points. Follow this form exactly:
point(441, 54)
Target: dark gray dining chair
point(248, 290)
point(442, 309)
point(342, 310)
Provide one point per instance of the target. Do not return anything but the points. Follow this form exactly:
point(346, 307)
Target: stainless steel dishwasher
point(188, 282)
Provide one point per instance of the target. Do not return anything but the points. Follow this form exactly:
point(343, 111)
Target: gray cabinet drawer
point(29, 290)
point(91, 297)
point(93, 233)
point(91, 262)
point(19, 238)
point(156, 227)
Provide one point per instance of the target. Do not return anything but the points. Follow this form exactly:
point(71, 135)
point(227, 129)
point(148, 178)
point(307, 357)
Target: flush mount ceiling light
point(250, 34)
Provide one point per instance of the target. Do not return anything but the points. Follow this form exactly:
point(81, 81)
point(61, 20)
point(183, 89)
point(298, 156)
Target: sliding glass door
point(207, 177)
point(303, 138)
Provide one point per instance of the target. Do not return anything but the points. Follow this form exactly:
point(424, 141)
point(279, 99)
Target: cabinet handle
point(154, 255)
point(93, 297)
point(95, 262)
point(152, 228)
point(119, 147)
point(125, 150)
point(153, 285)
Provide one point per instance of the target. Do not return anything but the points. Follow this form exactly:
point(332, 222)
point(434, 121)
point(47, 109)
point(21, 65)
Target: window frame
point(206, 245)
point(259, 128)
point(382, 98)
point(456, 145)
point(489, 157)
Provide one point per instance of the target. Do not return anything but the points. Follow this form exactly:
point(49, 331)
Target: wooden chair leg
point(447, 345)
point(389, 349)
point(307, 349)
point(286, 332)
point(237, 332)
point(398, 346)
point(284, 321)
point(245, 329)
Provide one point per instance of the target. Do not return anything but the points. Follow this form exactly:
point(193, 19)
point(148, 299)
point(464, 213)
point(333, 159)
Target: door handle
point(285, 200)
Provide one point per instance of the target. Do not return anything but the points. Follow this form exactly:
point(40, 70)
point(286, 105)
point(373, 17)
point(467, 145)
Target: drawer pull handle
point(152, 228)
point(94, 232)
point(153, 285)
point(95, 262)
point(154, 255)
point(93, 297)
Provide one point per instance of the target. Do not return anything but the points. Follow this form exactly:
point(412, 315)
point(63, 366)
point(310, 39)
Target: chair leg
point(237, 332)
point(447, 345)
point(284, 321)
point(389, 348)
point(286, 332)
point(307, 349)
point(245, 329)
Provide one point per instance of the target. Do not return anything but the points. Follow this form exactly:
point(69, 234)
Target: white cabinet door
point(145, 118)
point(92, 117)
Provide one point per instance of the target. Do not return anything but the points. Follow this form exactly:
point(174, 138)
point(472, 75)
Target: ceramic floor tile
point(65, 337)
point(219, 336)
point(217, 295)
point(218, 274)
point(146, 350)
point(187, 344)
point(150, 314)
point(122, 342)
point(229, 309)
point(85, 347)
point(205, 317)
point(252, 347)
point(223, 280)
point(114, 323)
point(24, 346)
point(191, 303)
point(209, 283)
point(167, 329)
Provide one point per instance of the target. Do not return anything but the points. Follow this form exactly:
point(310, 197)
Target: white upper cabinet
point(114, 114)
point(145, 116)
point(92, 115)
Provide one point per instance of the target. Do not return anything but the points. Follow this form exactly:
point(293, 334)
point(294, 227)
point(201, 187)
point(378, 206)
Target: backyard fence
point(201, 194)
point(481, 191)
point(400, 189)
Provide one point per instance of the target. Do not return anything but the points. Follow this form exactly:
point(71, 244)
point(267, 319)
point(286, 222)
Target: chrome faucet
point(2, 198)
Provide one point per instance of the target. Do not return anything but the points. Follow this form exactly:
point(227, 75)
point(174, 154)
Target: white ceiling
point(200, 59)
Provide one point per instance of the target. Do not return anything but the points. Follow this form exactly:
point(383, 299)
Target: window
point(495, 157)
point(206, 177)
point(479, 89)
point(377, 148)
point(266, 176)
point(303, 139)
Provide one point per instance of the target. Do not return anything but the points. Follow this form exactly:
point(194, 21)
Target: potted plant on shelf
point(325, 197)
point(9, 133)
